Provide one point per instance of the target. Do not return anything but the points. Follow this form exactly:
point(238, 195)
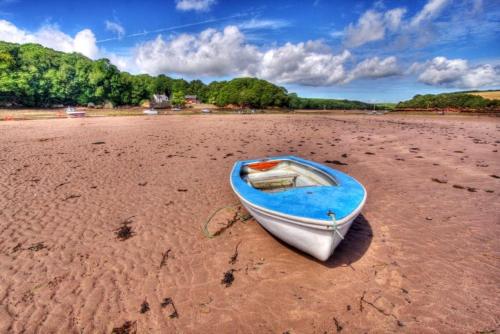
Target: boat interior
point(281, 175)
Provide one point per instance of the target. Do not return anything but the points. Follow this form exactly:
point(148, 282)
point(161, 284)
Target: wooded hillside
point(34, 76)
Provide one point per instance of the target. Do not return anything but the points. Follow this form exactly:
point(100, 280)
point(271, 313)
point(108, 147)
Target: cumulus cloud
point(376, 24)
point(85, 43)
point(123, 63)
point(375, 68)
point(309, 63)
point(211, 52)
point(196, 5)
point(372, 26)
point(225, 53)
point(115, 28)
point(10, 33)
point(50, 36)
point(441, 71)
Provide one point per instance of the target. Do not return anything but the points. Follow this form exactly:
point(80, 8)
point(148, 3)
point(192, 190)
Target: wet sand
point(100, 227)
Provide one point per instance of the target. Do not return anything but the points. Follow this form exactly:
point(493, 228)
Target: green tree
point(178, 98)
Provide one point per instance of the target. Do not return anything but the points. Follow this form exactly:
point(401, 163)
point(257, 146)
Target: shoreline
point(59, 113)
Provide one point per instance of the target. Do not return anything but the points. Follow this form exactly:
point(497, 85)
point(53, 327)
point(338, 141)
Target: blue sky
point(365, 50)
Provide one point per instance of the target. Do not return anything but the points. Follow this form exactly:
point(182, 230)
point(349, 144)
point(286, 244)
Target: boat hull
point(312, 219)
point(316, 241)
point(76, 114)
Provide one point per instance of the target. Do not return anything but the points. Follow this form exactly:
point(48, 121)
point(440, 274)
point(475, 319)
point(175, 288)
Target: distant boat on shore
point(305, 204)
point(72, 112)
point(150, 111)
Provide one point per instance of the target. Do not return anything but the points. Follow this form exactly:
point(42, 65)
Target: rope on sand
point(238, 216)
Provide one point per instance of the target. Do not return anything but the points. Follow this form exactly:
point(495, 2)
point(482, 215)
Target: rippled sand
point(424, 256)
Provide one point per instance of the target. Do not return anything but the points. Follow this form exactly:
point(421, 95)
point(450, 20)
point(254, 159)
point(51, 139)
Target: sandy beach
point(100, 227)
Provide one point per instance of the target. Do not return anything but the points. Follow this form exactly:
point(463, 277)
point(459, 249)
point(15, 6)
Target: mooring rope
point(237, 217)
point(335, 226)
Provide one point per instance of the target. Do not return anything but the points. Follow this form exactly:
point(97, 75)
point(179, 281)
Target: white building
point(160, 101)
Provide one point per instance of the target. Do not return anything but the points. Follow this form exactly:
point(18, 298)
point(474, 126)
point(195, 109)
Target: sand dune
point(100, 227)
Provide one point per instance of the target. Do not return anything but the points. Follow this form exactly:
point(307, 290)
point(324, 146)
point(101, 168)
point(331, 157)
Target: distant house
point(160, 101)
point(191, 99)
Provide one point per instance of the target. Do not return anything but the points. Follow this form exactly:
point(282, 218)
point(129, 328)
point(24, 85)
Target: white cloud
point(51, 37)
point(309, 63)
point(375, 68)
point(431, 9)
point(370, 27)
point(123, 63)
point(375, 24)
point(10, 33)
point(441, 71)
point(221, 53)
point(196, 5)
point(226, 53)
point(263, 24)
point(393, 18)
point(115, 28)
point(85, 43)
point(210, 53)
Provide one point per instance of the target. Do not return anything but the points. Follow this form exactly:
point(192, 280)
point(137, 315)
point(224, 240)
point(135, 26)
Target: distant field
point(491, 95)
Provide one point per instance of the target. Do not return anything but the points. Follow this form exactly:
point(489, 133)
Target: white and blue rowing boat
point(72, 112)
point(305, 204)
point(150, 112)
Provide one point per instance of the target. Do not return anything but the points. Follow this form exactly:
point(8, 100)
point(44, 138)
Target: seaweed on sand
point(165, 258)
point(169, 301)
point(144, 307)
point(36, 247)
point(228, 278)
point(234, 257)
point(338, 327)
point(125, 231)
point(17, 248)
point(71, 197)
point(128, 327)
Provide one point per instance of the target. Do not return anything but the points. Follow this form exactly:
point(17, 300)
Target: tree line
point(327, 104)
point(448, 100)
